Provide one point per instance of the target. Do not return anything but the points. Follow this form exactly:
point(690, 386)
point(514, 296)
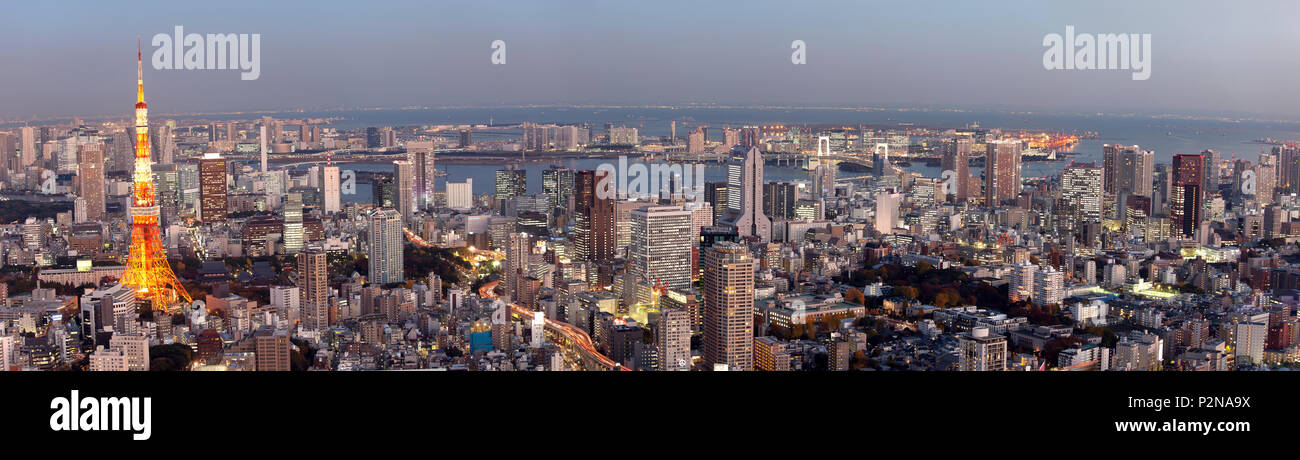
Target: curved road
point(575, 336)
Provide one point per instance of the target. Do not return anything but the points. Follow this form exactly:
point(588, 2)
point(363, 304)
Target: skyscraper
point(623, 225)
point(779, 199)
point(330, 189)
point(745, 195)
point(212, 188)
point(1288, 167)
point(1127, 170)
point(385, 253)
point(1266, 179)
point(1081, 187)
point(715, 193)
point(90, 177)
point(517, 251)
point(594, 217)
point(887, 203)
point(1002, 172)
point(661, 246)
point(167, 178)
point(511, 183)
point(557, 184)
point(1209, 174)
point(728, 307)
point(1110, 166)
point(956, 158)
point(404, 183)
point(262, 144)
point(292, 223)
point(123, 151)
point(421, 156)
point(164, 144)
point(1185, 195)
point(384, 191)
point(314, 288)
point(28, 154)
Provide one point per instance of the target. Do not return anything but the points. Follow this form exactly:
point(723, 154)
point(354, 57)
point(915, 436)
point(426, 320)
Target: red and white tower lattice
point(147, 269)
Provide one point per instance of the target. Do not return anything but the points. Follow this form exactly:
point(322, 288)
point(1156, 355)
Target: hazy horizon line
point(1225, 117)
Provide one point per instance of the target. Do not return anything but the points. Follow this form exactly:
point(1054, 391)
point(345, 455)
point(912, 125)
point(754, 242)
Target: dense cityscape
point(245, 245)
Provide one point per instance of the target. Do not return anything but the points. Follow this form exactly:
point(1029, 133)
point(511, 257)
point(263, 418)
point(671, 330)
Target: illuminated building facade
point(1185, 193)
point(147, 269)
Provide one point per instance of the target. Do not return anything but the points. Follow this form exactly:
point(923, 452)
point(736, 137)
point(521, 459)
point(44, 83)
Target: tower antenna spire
point(139, 71)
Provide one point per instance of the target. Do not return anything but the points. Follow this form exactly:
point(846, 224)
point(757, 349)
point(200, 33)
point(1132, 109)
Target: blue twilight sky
point(75, 58)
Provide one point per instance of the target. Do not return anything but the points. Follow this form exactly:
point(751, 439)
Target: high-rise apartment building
point(1049, 286)
point(385, 250)
point(1288, 168)
point(1002, 171)
point(404, 187)
point(728, 307)
point(314, 288)
point(1266, 179)
point(956, 158)
point(517, 248)
point(421, 156)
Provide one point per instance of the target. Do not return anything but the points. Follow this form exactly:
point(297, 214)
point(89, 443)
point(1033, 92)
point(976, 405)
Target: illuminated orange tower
point(146, 266)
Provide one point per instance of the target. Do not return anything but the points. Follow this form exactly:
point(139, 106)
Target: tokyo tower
point(146, 265)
